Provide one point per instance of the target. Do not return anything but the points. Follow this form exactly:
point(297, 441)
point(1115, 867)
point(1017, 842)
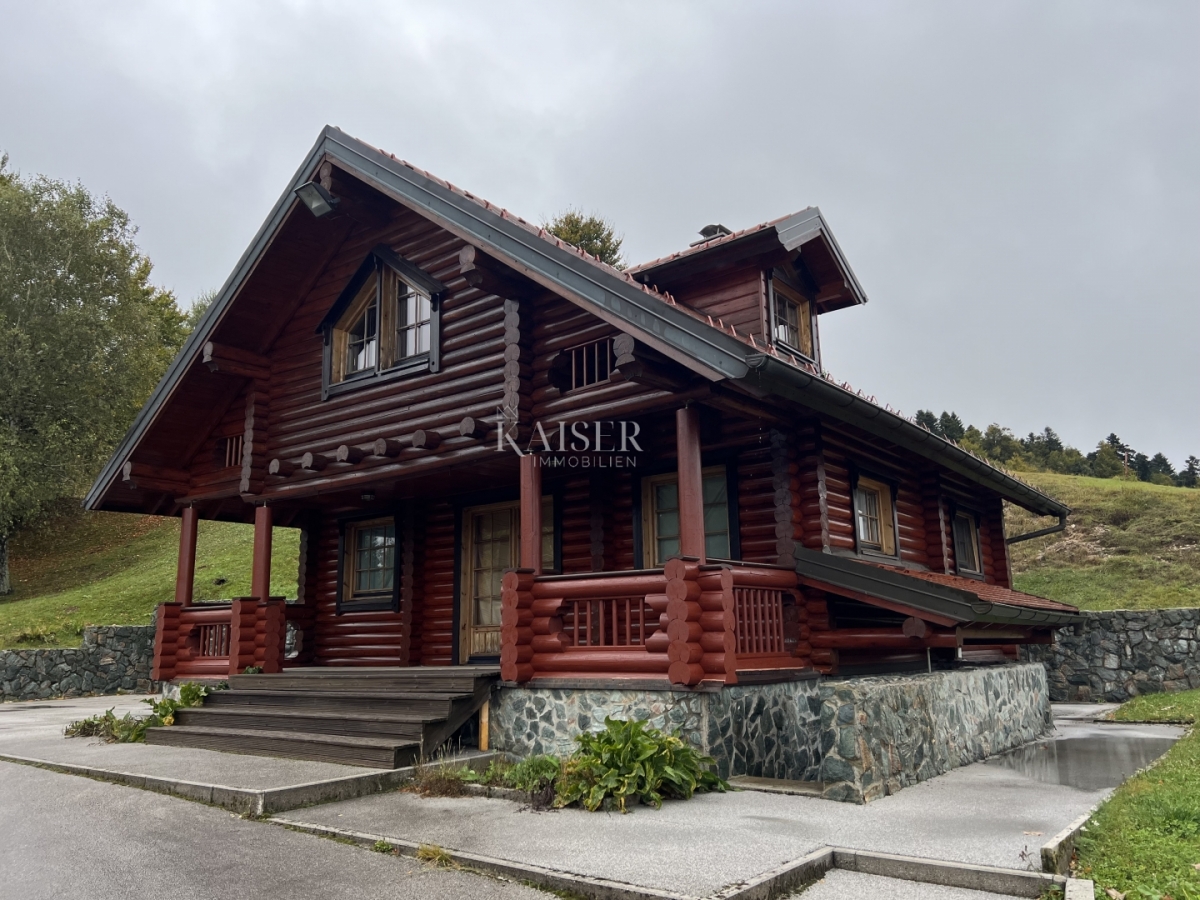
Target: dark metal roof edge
point(918, 593)
point(204, 328)
point(807, 217)
point(849, 407)
point(589, 283)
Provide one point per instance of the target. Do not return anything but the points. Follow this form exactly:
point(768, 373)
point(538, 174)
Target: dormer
point(768, 284)
point(385, 324)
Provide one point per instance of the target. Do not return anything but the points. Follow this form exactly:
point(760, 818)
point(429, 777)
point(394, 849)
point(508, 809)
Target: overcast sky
point(1016, 185)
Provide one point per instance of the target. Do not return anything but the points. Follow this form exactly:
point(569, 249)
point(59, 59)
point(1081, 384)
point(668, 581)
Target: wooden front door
point(490, 544)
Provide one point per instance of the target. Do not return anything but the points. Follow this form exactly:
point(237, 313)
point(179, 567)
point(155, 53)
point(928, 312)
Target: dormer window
point(791, 316)
point(384, 324)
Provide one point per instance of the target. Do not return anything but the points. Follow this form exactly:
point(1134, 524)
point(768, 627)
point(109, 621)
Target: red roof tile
point(992, 593)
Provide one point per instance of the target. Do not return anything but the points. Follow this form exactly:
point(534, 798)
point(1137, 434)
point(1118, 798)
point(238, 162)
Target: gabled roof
point(787, 233)
point(681, 334)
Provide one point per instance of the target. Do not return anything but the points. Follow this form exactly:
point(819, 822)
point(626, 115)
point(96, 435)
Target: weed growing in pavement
point(432, 853)
point(131, 729)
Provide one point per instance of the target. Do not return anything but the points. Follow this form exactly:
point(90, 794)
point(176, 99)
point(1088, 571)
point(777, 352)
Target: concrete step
point(416, 703)
point(379, 725)
point(378, 753)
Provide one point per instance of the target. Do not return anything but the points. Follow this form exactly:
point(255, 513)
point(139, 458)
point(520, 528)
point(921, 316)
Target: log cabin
point(506, 457)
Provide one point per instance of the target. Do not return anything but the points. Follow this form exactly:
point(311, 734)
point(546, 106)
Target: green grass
point(1145, 840)
point(79, 568)
point(1128, 545)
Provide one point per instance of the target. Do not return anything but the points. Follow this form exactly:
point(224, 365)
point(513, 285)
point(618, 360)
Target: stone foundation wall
point(862, 737)
point(769, 730)
point(1118, 654)
point(112, 658)
point(883, 733)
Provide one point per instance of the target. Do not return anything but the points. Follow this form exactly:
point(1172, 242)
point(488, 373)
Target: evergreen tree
point(1189, 475)
point(926, 418)
point(951, 426)
point(1160, 465)
point(1106, 463)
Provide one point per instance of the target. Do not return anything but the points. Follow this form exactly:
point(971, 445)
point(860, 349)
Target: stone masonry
point(112, 658)
point(1118, 654)
point(862, 737)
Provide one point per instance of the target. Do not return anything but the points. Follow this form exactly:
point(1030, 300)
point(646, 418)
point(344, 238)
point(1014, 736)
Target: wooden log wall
point(939, 549)
point(735, 298)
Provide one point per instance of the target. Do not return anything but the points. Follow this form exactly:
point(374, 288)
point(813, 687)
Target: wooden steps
point(383, 718)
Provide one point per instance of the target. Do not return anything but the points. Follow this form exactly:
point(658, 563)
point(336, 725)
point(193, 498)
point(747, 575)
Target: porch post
point(260, 577)
point(185, 572)
point(531, 513)
point(691, 483)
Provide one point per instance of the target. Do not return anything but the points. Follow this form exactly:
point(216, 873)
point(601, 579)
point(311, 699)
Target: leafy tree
point(589, 233)
point(196, 311)
point(951, 426)
point(84, 337)
point(1000, 445)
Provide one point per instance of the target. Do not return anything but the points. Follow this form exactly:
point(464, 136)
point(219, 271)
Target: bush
point(131, 729)
point(629, 759)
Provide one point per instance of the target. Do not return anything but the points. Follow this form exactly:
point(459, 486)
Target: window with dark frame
point(966, 543)
point(660, 516)
point(369, 567)
point(792, 324)
point(388, 325)
point(873, 522)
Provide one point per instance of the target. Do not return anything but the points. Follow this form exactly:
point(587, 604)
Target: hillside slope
point(80, 568)
point(1128, 545)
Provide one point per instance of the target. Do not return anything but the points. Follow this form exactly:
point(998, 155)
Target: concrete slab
point(1082, 712)
point(839, 884)
point(983, 814)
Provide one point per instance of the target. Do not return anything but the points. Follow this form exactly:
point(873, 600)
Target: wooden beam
point(691, 483)
point(641, 365)
point(143, 477)
point(348, 453)
point(260, 573)
point(232, 361)
point(493, 277)
point(426, 440)
point(185, 571)
point(314, 462)
point(531, 513)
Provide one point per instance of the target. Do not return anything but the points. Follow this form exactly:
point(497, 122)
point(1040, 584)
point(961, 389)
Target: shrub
point(629, 759)
point(534, 774)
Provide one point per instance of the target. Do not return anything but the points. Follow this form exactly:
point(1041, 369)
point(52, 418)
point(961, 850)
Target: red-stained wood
point(185, 573)
point(691, 482)
point(260, 577)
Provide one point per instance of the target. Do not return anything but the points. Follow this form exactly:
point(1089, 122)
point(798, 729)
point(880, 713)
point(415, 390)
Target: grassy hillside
point(1128, 545)
point(81, 569)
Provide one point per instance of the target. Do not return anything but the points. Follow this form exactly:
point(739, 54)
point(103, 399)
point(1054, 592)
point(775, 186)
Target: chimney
point(710, 233)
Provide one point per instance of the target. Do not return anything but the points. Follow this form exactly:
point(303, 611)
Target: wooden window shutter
point(337, 363)
point(387, 318)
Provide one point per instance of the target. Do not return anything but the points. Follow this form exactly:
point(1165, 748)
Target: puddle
point(1092, 763)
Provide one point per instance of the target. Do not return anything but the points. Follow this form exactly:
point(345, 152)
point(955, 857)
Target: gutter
point(1029, 536)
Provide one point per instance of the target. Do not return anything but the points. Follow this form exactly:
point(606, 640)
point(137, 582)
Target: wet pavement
point(1090, 757)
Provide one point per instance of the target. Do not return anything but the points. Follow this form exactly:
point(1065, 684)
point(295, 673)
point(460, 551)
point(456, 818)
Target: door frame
point(464, 600)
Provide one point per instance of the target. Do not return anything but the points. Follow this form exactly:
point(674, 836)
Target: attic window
point(791, 316)
point(385, 323)
point(591, 363)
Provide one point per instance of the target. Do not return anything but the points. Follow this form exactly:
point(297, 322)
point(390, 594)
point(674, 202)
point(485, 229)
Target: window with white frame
point(874, 525)
point(791, 319)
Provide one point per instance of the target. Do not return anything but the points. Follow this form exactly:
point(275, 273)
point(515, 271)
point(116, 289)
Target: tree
point(84, 337)
point(1106, 463)
point(999, 444)
point(589, 233)
point(1189, 475)
point(927, 419)
point(196, 311)
point(951, 426)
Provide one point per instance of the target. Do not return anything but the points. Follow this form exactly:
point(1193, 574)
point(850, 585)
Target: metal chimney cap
point(711, 233)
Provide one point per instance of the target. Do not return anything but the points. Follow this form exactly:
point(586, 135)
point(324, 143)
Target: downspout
point(1053, 529)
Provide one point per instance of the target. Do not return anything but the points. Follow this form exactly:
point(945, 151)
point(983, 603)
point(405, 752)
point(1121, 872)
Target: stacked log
point(816, 621)
point(243, 618)
point(683, 621)
point(254, 444)
point(785, 482)
point(516, 620)
point(547, 626)
point(270, 634)
point(166, 640)
point(718, 620)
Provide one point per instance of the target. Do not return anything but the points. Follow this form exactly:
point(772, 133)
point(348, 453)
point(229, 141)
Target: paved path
point(65, 836)
point(34, 730)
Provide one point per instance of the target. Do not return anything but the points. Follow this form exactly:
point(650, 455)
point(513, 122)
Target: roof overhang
point(941, 602)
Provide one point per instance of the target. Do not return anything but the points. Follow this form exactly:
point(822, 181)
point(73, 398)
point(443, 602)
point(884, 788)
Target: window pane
point(666, 496)
point(717, 545)
point(667, 524)
point(867, 501)
point(547, 533)
point(667, 547)
point(964, 543)
point(374, 559)
point(714, 488)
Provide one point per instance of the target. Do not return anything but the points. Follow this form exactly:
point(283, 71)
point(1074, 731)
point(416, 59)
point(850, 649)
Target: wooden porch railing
point(219, 639)
point(686, 621)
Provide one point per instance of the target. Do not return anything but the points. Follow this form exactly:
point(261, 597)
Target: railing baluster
point(589, 623)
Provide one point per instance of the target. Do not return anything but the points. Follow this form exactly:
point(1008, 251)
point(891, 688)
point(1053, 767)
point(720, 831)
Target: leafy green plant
point(629, 759)
point(131, 729)
point(534, 774)
point(252, 670)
